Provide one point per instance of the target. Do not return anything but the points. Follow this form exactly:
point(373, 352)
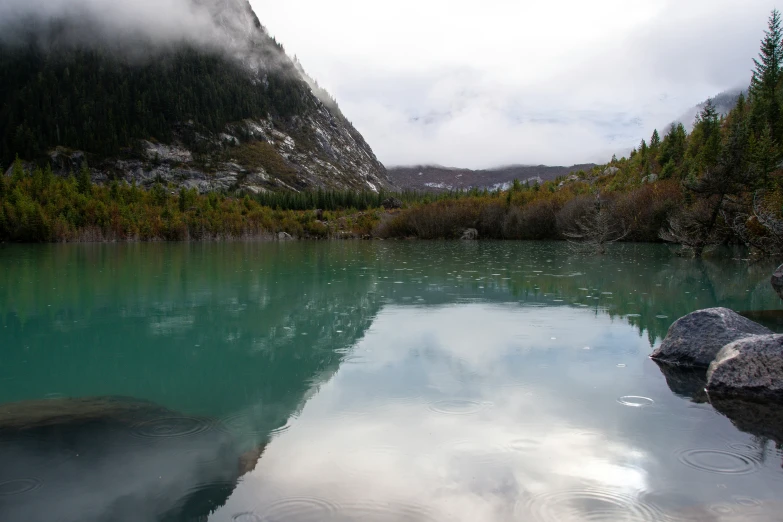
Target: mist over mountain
point(186, 92)
point(723, 103)
point(433, 178)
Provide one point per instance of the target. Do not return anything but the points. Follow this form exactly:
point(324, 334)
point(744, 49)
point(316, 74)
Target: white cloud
point(478, 84)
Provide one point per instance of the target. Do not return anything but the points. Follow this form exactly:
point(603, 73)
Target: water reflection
point(371, 381)
point(502, 422)
point(113, 459)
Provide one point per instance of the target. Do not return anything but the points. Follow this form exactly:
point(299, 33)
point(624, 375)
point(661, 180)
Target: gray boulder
point(695, 340)
point(284, 236)
point(749, 367)
point(390, 203)
point(470, 234)
point(777, 281)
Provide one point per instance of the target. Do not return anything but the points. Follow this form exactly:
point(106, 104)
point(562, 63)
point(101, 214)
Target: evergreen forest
point(721, 184)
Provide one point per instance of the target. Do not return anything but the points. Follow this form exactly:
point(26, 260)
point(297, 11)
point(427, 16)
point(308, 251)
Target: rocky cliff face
point(247, 117)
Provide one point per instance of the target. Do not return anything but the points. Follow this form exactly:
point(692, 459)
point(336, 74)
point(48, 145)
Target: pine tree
point(766, 74)
point(655, 141)
point(766, 80)
point(764, 156)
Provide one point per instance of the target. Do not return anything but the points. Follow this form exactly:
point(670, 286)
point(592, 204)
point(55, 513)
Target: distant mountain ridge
point(433, 178)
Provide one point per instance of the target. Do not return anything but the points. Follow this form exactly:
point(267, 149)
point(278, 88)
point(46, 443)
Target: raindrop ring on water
point(604, 505)
point(19, 486)
point(299, 509)
point(172, 427)
point(718, 461)
point(635, 401)
point(456, 407)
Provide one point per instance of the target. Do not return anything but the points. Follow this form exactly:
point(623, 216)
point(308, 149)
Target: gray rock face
point(749, 367)
point(696, 339)
point(470, 234)
point(316, 147)
point(777, 281)
point(284, 236)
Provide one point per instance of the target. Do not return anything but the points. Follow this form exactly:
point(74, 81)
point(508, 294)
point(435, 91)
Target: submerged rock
point(695, 340)
point(777, 281)
point(119, 459)
point(470, 234)
point(749, 367)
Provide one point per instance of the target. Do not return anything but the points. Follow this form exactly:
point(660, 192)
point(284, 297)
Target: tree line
point(722, 183)
point(89, 99)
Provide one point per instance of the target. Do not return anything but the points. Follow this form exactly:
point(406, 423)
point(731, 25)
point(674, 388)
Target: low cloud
point(159, 20)
point(479, 85)
point(138, 28)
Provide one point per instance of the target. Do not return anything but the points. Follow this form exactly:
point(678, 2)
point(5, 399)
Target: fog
point(139, 28)
point(481, 84)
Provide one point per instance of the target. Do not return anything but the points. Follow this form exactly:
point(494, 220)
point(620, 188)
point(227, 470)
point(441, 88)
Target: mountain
point(196, 95)
point(432, 178)
point(723, 102)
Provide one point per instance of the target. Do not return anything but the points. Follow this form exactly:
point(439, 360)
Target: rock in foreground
point(750, 367)
point(696, 339)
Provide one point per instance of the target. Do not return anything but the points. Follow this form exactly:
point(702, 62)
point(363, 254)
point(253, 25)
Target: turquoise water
point(370, 381)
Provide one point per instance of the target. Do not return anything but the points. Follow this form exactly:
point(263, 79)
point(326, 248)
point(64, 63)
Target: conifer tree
point(766, 78)
point(655, 141)
point(766, 74)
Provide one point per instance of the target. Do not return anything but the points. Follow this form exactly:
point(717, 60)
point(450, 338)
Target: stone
point(125, 448)
point(284, 236)
point(751, 367)
point(777, 281)
point(390, 203)
point(695, 340)
point(470, 234)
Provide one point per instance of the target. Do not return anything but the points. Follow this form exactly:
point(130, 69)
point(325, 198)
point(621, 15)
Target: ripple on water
point(245, 423)
point(748, 501)
point(635, 401)
point(172, 427)
point(385, 512)
point(19, 486)
point(588, 505)
point(299, 509)
point(719, 462)
point(456, 407)
point(721, 509)
point(247, 516)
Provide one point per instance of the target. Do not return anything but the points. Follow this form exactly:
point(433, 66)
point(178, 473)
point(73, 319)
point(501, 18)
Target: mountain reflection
point(352, 381)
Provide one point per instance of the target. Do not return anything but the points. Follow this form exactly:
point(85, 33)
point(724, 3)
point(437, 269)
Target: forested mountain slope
point(217, 107)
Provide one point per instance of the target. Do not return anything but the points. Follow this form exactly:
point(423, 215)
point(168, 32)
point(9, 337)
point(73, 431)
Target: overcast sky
point(494, 82)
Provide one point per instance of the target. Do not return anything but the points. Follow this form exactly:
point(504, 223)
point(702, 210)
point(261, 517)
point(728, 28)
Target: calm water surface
point(365, 381)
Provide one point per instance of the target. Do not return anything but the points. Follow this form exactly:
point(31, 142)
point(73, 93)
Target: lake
point(370, 381)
